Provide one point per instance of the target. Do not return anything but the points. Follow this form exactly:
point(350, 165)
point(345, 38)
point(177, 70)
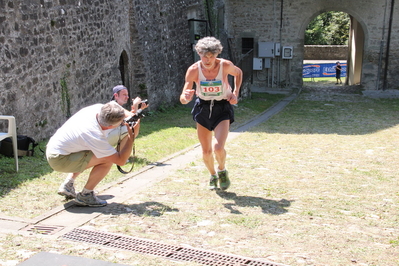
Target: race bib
point(211, 87)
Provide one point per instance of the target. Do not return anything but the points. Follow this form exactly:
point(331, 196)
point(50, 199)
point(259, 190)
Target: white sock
point(221, 170)
point(86, 191)
point(69, 180)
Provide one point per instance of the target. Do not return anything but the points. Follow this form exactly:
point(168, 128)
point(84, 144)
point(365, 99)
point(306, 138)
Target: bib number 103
point(211, 89)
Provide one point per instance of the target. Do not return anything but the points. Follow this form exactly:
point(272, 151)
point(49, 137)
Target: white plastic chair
point(12, 132)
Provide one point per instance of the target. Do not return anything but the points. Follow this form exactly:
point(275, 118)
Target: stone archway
point(355, 48)
point(355, 56)
point(124, 69)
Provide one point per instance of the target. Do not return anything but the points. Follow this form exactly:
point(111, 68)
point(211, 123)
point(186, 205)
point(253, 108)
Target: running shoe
point(224, 181)
point(90, 200)
point(67, 190)
point(213, 182)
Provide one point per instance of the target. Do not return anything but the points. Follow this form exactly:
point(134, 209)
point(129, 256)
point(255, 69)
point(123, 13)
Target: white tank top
point(215, 89)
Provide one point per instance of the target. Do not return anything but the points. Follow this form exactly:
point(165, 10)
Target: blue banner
point(321, 70)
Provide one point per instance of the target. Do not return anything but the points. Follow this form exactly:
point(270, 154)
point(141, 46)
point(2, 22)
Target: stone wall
point(59, 56)
point(164, 51)
point(325, 52)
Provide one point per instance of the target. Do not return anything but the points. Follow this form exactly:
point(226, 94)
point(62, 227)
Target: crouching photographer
point(81, 143)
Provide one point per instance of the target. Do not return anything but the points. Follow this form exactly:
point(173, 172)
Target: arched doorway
point(124, 69)
point(353, 54)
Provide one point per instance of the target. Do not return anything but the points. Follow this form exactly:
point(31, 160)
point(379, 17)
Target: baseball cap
point(117, 89)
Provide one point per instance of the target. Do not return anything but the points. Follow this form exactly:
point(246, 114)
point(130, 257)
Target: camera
point(131, 120)
point(143, 101)
point(134, 118)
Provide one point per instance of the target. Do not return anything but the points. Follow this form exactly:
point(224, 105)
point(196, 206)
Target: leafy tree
point(329, 28)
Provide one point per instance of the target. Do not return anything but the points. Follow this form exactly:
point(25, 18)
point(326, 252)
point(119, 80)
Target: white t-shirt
point(81, 132)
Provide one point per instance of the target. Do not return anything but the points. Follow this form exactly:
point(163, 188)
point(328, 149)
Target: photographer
point(121, 96)
point(81, 143)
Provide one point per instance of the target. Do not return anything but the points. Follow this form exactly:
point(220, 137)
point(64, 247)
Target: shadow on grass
point(268, 206)
point(151, 208)
point(30, 167)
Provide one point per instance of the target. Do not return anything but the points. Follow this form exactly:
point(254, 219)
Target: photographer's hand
point(130, 131)
point(136, 128)
point(135, 104)
point(126, 147)
point(143, 106)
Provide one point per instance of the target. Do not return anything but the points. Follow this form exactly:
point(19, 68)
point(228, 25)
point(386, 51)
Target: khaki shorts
point(71, 163)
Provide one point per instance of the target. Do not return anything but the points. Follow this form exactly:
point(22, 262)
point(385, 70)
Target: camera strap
point(130, 158)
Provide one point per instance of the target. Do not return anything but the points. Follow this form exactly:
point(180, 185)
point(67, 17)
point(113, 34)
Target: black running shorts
point(209, 116)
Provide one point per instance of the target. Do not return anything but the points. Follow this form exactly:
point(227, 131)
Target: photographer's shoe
point(90, 200)
point(67, 190)
point(213, 182)
point(224, 181)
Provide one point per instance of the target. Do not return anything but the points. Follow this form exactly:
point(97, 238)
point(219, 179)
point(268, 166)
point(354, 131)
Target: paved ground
point(65, 218)
point(53, 259)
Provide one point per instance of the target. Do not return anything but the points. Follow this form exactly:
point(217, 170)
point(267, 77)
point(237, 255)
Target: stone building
point(57, 56)
point(373, 52)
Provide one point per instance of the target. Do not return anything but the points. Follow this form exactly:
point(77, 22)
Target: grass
point(314, 185)
point(320, 81)
point(161, 134)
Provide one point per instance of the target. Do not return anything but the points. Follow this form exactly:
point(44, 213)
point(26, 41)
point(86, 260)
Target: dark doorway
point(124, 69)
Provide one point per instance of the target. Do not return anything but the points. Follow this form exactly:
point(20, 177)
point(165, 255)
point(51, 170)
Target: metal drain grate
point(42, 229)
point(162, 250)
